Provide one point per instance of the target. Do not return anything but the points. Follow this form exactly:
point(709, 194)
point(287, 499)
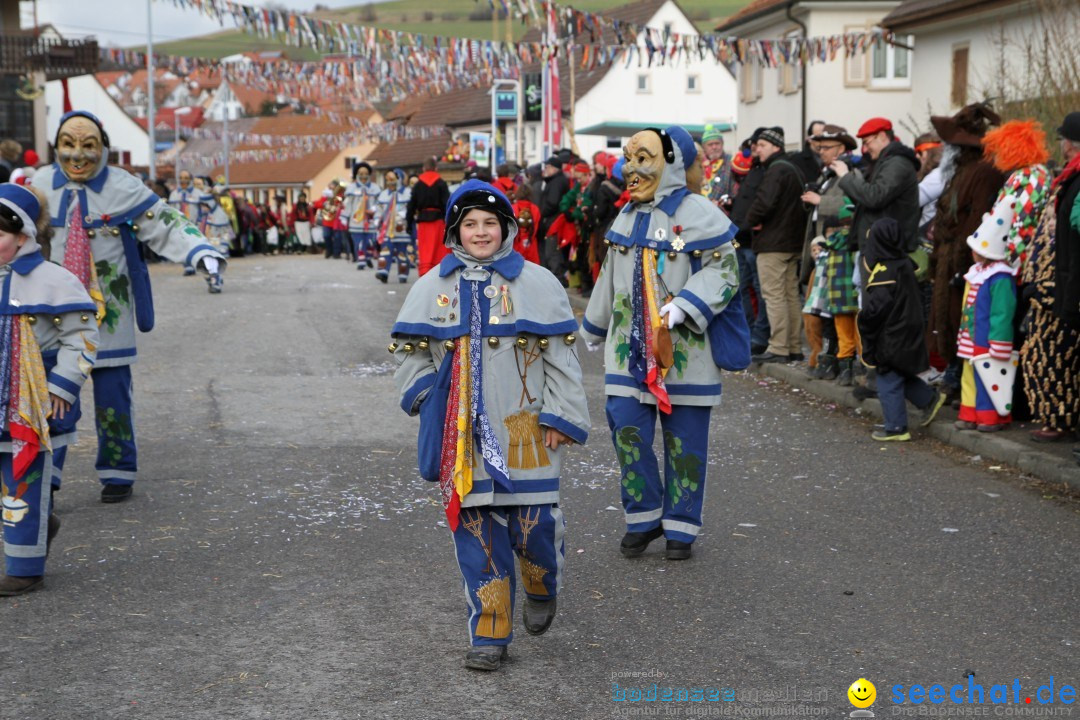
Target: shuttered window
point(959, 76)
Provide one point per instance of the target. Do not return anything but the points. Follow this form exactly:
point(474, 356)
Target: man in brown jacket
point(778, 217)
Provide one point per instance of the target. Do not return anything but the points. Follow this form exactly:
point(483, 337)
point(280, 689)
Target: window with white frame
point(890, 65)
point(693, 83)
point(643, 84)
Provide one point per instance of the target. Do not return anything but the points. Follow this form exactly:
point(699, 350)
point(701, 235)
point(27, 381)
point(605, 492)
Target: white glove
point(591, 346)
point(675, 314)
point(211, 265)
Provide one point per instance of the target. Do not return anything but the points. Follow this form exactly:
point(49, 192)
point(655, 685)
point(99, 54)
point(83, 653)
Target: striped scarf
point(387, 227)
point(467, 423)
point(24, 393)
point(646, 319)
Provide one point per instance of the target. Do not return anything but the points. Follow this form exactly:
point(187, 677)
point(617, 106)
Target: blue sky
point(125, 22)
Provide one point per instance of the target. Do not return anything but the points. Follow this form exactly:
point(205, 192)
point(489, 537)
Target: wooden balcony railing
point(56, 58)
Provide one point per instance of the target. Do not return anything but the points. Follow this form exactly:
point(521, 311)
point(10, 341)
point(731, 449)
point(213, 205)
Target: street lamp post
point(176, 142)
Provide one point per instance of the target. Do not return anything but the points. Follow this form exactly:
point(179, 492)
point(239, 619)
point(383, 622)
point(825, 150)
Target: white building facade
point(843, 92)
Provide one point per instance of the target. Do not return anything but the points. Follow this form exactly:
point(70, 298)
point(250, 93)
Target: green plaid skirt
point(841, 295)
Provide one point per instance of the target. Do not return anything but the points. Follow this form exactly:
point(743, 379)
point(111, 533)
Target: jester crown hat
point(990, 239)
point(89, 116)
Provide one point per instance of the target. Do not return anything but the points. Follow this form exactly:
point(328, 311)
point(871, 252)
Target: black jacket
point(891, 319)
point(428, 201)
point(744, 198)
point(554, 188)
point(778, 209)
point(1067, 256)
point(890, 189)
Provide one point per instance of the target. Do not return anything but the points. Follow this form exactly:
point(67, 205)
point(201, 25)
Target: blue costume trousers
point(893, 388)
point(400, 250)
point(114, 417)
point(364, 250)
point(26, 508)
point(676, 499)
point(485, 542)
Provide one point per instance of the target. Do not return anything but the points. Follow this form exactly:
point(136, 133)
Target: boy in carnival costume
point(485, 343)
point(659, 304)
point(48, 340)
point(101, 215)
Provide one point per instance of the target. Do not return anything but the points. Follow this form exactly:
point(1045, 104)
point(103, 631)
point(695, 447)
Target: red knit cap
point(740, 164)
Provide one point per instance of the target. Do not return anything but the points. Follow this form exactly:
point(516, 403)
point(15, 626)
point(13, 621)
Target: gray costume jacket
point(531, 375)
point(119, 212)
point(62, 316)
point(692, 238)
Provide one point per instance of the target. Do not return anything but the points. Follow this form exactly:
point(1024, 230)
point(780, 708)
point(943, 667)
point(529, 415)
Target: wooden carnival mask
point(644, 155)
point(79, 147)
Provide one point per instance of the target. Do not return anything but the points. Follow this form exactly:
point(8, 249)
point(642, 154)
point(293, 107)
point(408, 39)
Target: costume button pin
point(493, 320)
point(490, 292)
point(442, 300)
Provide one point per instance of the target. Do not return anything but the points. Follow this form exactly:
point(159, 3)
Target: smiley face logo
point(862, 693)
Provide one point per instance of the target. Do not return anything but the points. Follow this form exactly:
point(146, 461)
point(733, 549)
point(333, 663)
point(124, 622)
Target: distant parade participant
point(426, 208)
point(191, 202)
point(361, 199)
point(219, 226)
point(49, 339)
point(300, 222)
point(395, 244)
point(485, 346)
point(718, 185)
point(660, 305)
point(101, 215)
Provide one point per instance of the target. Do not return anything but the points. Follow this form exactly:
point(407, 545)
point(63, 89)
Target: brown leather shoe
point(1048, 435)
point(10, 585)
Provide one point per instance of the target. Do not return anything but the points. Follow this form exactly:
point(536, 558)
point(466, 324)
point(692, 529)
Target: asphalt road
point(281, 559)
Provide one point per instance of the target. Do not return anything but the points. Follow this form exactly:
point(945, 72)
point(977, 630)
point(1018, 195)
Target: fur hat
point(991, 239)
point(966, 127)
point(1016, 144)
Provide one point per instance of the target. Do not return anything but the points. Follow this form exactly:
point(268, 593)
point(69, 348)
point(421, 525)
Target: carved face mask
point(644, 155)
point(391, 181)
point(79, 147)
point(362, 175)
point(185, 180)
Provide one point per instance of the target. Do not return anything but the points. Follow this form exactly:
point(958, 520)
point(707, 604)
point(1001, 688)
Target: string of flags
point(597, 39)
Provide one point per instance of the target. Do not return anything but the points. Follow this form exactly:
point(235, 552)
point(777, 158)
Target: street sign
point(506, 104)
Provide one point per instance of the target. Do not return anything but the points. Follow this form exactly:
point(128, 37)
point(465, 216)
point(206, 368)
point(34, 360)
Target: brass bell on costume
point(543, 343)
point(408, 347)
point(570, 339)
point(84, 317)
point(623, 249)
point(116, 232)
point(32, 319)
point(57, 320)
point(135, 227)
point(493, 342)
point(522, 342)
point(716, 254)
point(423, 344)
point(697, 253)
point(91, 233)
point(392, 347)
point(449, 345)
point(149, 215)
point(672, 255)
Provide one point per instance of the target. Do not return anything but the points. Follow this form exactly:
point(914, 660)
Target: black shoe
point(537, 615)
point(54, 528)
point(796, 357)
point(846, 378)
point(677, 550)
point(10, 585)
point(768, 357)
point(829, 367)
point(634, 543)
point(113, 493)
point(758, 349)
point(861, 392)
point(485, 657)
